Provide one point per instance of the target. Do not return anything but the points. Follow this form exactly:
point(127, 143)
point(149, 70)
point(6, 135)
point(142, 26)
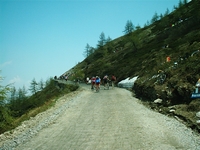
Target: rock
point(198, 114)
point(172, 110)
point(2, 137)
point(178, 118)
point(198, 121)
point(158, 101)
point(172, 107)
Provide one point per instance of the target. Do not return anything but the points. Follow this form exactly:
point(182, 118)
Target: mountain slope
point(144, 52)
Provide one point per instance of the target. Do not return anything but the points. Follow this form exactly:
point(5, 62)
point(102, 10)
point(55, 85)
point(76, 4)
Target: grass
point(143, 53)
point(34, 105)
point(33, 112)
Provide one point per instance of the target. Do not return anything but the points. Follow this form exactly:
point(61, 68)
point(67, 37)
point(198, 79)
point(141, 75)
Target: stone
point(198, 114)
point(172, 110)
point(158, 101)
point(198, 121)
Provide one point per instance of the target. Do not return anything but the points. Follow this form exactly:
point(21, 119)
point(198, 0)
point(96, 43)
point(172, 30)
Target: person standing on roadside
point(113, 79)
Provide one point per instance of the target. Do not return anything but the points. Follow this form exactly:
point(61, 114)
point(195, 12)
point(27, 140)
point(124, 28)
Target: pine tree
point(154, 18)
point(128, 27)
point(161, 16)
point(86, 53)
point(180, 4)
point(108, 39)
point(138, 27)
point(13, 94)
point(21, 93)
point(33, 86)
point(166, 12)
point(41, 85)
point(3, 91)
point(91, 50)
point(102, 40)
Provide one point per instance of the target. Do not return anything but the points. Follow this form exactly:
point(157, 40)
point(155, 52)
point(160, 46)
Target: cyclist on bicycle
point(97, 83)
point(106, 82)
point(93, 79)
point(113, 79)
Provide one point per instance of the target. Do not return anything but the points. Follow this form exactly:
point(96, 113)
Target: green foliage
point(3, 91)
point(33, 86)
point(41, 85)
point(128, 27)
point(78, 75)
point(20, 106)
point(87, 51)
point(180, 4)
point(108, 39)
point(167, 12)
point(139, 53)
point(102, 40)
point(143, 52)
point(5, 118)
point(155, 18)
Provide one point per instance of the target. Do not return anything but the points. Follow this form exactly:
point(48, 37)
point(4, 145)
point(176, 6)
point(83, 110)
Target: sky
point(43, 38)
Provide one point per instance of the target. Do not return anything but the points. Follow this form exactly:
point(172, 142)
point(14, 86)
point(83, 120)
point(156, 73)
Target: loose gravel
point(110, 119)
point(28, 129)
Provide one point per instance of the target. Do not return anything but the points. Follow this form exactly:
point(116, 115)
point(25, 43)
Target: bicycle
point(97, 88)
point(97, 83)
point(106, 85)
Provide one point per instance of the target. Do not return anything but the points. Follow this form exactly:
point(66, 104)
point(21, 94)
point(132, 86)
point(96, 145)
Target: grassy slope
point(142, 53)
point(24, 109)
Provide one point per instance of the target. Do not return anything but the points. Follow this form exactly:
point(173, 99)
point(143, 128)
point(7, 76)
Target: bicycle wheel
point(97, 89)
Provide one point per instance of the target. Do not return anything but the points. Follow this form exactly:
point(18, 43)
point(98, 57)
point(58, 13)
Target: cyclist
point(97, 83)
point(93, 79)
point(106, 82)
point(113, 79)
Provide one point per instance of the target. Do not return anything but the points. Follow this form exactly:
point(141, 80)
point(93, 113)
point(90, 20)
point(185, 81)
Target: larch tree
point(3, 91)
point(155, 18)
point(33, 86)
point(87, 50)
point(129, 27)
point(102, 40)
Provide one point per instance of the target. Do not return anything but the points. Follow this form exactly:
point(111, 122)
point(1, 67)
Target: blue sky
point(40, 38)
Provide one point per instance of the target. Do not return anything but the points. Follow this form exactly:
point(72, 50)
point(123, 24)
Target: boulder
point(198, 121)
point(172, 110)
point(158, 101)
point(198, 114)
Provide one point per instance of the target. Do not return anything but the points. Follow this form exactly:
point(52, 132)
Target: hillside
point(144, 52)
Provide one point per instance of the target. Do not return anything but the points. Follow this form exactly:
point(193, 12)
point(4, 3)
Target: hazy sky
point(43, 38)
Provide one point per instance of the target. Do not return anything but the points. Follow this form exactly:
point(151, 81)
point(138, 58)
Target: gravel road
point(108, 120)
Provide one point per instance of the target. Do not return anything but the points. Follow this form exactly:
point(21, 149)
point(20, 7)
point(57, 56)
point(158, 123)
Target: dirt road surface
point(111, 120)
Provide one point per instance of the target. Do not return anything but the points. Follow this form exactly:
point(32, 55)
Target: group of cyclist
point(96, 81)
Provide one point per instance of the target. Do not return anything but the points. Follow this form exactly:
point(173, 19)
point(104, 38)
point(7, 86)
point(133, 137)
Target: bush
point(39, 98)
point(5, 119)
